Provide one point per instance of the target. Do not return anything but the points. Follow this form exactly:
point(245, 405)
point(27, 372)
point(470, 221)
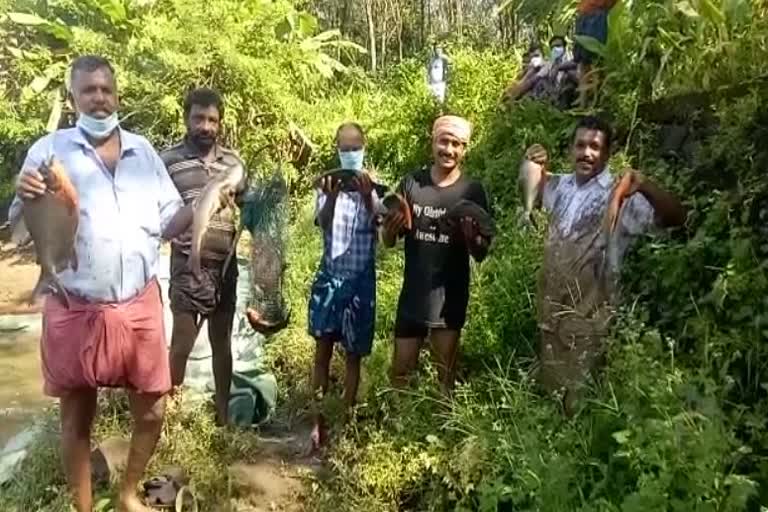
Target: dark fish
point(264, 214)
point(216, 194)
point(347, 176)
point(394, 202)
point(51, 221)
point(467, 208)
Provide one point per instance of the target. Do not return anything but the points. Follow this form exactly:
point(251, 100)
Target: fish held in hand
point(529, 180)
point(219, 192)
point(395, 203)
point(51, 221)
point(619, 195)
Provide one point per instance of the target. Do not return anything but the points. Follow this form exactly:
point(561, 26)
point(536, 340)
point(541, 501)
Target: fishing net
point(265, 215)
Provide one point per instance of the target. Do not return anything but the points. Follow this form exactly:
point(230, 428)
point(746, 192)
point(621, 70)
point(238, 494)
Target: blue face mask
point(352, 159)
point(97, 128)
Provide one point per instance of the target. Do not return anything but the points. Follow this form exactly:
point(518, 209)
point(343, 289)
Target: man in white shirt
point(437, 74)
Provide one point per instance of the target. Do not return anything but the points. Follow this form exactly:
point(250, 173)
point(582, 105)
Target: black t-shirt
point(435, 289)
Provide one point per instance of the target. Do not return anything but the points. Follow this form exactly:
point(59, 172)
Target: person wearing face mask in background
point(211, 296)
point(534, 79)
point(563, 74)
point(342, 302)
point(112, 335)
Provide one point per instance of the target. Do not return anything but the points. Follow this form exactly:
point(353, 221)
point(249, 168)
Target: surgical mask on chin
point(557, 52)
point(352, 159)
point(536, 62)
point(98, 128)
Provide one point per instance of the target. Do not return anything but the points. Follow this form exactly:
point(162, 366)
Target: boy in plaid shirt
point(342, 301)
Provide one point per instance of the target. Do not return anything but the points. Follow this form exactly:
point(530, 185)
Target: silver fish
point(214, 196)
point(529, 181)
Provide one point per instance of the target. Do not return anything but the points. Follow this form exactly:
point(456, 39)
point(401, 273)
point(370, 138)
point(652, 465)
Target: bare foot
point(131, 503)
point(319, 435)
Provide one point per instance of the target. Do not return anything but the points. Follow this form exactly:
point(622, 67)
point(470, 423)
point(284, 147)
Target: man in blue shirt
point(113, 335)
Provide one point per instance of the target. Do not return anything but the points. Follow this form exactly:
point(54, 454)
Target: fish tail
point(61, 290)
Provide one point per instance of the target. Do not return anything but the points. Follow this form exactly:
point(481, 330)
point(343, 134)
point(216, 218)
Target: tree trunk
point(459, 18)
point(423, 24)
point(371, 33)
point(383, 46)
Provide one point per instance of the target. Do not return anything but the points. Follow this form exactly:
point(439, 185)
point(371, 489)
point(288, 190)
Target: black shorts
point(205, 294)
point(407, 328)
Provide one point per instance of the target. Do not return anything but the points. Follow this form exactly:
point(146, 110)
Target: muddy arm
point(669, 210)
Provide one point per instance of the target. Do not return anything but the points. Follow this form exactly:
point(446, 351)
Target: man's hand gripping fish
point(51, 221)
point(218, 193)
point(532, 172)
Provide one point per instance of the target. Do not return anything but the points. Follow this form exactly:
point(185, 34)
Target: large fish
point(215, 195)
point(611, 268)
point(529, 180)
point(51, 221)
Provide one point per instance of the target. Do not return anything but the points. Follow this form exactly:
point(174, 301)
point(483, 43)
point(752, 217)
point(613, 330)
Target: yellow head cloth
point(452, 125)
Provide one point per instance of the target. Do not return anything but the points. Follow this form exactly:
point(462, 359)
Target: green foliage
point(675, 422)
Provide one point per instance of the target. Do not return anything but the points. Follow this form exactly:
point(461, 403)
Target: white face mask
point(557, 52)
point(98, 128)
point(536, 62)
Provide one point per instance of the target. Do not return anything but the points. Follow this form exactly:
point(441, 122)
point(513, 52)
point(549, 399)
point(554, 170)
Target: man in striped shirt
point(210, 296)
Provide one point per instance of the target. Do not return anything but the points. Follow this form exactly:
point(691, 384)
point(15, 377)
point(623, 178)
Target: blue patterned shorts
point(344, 309)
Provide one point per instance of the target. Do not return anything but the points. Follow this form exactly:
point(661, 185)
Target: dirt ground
point(274, 483)
point(18, 275)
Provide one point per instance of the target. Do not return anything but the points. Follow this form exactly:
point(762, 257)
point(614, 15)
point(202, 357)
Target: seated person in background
point(531, 80)
point(563, 73)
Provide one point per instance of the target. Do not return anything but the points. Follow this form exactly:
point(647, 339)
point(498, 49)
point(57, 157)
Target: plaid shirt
point(349, 247)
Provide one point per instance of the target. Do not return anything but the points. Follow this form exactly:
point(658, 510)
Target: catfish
point(51, 220)
point(219, 192)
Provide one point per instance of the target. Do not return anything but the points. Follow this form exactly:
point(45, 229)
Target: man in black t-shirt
point(433, 300)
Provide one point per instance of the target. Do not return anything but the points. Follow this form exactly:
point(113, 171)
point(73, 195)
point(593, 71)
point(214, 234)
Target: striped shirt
point(190, 173)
